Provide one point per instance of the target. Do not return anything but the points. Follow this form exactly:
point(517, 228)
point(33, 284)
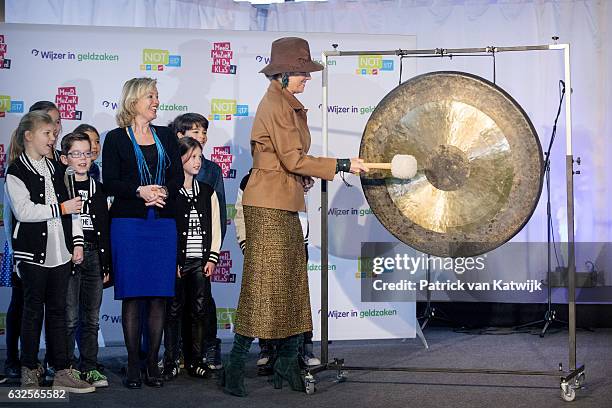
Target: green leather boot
point(232, 378)
point(287, 366)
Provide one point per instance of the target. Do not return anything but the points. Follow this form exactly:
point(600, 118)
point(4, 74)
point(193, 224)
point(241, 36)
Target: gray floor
point(523, 351)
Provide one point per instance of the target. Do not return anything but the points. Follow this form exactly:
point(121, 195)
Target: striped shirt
point(195, 233)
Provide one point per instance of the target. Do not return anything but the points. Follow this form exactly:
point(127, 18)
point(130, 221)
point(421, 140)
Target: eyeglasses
point(78, 155)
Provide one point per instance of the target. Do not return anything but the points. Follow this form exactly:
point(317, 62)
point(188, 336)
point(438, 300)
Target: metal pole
point(443, 51)
point(324, 230)
point(571, 266)
point(548, 233)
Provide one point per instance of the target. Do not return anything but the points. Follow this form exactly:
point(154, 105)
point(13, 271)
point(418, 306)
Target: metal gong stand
point(571, 379)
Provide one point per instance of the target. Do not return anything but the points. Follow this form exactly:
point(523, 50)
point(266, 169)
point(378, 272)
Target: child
point(86, 282)
point(12, 366)
point(196, 126)
point(45, 232)
point(199, 242)
point(95, 171)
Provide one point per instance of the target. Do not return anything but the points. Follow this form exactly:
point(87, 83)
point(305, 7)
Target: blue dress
point(144, 249)
point(144, 256)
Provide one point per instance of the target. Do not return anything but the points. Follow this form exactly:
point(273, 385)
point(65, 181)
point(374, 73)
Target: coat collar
point(23, 157)
point(275, 87)
point(194, 185)
point(92, 187)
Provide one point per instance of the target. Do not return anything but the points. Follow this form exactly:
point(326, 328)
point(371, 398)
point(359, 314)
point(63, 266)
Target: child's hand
point(178, 271)
point(209, 269)
point(72, 206)
point(106, 278)
point(77, 255)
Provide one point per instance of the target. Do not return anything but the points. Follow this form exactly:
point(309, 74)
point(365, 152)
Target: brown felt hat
point(290, 54)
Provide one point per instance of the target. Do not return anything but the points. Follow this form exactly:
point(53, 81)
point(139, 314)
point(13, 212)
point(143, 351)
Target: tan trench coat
point(280, 141)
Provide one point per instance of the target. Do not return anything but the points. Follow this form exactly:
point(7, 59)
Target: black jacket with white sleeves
point(204, 201)
point(96, 206)
point(25, 187)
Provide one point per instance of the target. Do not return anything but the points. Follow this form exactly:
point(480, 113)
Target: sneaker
point(95, 378)
point(263, 358)
point(170, 371)
point(199, 370)
point(268, 368)
point(69, 379)
point(264, 355)
point(49, 373)
point(181, 359)
point(212, 358)
point(12, 370)
point(309, 358)
point(41, 370)
point(30, 378)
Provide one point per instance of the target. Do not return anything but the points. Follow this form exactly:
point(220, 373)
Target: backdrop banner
point(216, 73)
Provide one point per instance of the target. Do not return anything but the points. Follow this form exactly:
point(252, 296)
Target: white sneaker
point(309, 357)
point(263, 359)
point(312, 361)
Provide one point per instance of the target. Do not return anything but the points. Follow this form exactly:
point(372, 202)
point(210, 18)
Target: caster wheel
point(569, 394)
point(341, 376)
point(309, 384)
point(580, 379)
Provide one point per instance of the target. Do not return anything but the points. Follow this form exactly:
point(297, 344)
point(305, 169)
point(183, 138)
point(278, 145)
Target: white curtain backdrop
point(210, 14)
point(531, 78)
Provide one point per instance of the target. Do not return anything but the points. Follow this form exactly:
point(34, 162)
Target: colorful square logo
point(225, 318)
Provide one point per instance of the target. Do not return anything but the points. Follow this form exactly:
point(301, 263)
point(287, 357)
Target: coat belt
point(266, 161)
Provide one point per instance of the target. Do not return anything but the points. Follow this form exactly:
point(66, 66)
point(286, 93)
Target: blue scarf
point(163, 162)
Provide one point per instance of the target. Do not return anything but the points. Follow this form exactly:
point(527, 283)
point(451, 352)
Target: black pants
point(193, 292)
point(44, 297)
point(83, 310)
point(14, 314)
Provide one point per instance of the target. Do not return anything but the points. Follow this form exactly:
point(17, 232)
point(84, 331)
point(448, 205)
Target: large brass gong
point(479, 164)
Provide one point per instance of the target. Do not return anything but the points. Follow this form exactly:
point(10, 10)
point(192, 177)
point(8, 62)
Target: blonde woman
point(142, 169)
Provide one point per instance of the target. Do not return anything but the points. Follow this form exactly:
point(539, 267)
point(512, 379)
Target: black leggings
point(130, 319)
point(13, 322)
point(14, 315)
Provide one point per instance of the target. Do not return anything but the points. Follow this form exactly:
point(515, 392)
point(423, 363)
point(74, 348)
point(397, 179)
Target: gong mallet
point(402, 166)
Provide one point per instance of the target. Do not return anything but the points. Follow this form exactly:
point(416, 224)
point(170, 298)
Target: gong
point(479, 159)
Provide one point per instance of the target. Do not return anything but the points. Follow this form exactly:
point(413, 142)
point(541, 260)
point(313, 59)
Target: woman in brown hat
point(274, 298)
